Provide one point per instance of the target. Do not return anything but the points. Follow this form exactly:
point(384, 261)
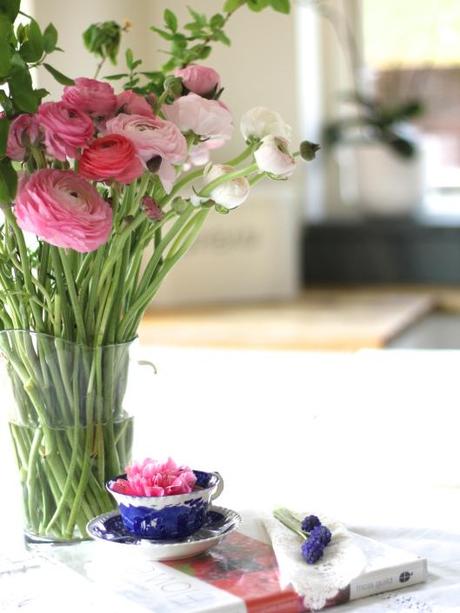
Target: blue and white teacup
point(165, 518)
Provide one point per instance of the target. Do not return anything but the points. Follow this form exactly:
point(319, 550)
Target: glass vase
point(69, 428)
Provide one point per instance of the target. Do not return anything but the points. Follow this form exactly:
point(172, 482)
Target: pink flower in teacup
point(153, 478)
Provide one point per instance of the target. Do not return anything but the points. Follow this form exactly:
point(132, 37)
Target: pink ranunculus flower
point(133, 104)
point(111, 157)
point(90, 96)
point(209, 119)
point(153, 137)
point(67, 130)
point(24, 131)
point(273, 157)
point(153, 478)
point(63, 209)
point(201, 80)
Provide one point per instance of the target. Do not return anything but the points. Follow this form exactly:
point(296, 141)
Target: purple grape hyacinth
point(315, 536)
point(321, 534)
point(309, 522)
point(312, 550)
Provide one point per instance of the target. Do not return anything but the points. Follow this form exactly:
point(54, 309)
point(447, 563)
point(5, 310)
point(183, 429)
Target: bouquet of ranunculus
point(102, 177)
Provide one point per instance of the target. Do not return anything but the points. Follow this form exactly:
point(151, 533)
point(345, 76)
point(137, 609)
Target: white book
point(388, 568)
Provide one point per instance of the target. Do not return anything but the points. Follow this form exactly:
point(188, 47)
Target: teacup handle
point(219, 487)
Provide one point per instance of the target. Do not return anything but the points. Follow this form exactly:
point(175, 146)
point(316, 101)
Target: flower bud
point(308, 150)
point(260, 122)
point(151, 209)
point(274, 158)
point(201, 80)
point(231, 193)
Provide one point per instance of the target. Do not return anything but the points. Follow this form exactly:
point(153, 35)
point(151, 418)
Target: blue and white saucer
point(219, 523)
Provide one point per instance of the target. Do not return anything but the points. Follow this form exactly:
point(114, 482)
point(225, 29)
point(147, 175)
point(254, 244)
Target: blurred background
point(362, 247)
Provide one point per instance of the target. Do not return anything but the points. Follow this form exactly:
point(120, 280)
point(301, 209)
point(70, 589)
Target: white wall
point(258, 69)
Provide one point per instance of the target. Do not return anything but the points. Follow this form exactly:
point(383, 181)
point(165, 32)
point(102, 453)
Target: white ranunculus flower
point(229, 194)
point(273, 157)
point(260, 122)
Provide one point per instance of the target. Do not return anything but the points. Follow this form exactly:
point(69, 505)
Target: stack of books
point(239, 575)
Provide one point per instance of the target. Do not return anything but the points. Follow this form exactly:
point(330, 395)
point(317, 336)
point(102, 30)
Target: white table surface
point(370, 438)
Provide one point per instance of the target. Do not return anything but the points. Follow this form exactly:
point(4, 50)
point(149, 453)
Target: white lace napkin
point(317, 583)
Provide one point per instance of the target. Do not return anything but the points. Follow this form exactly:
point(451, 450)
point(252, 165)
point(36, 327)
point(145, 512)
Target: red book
point(246, 568)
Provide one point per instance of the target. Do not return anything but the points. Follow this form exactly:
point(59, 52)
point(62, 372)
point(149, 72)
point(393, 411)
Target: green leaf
point(103, 39)
point(10, 8)
point(60, 78)
point(282, 6)
point(222, 38)
point(129, 58)
point(198, 17)
point(6, 30)
point(162, 33)
point(21, 89)
point(217, 21)
point(115, 77)
point(8, 181)
point(6, 103)
point(170, 20)
point(4, 129)
point(5, 57)
point(50, 38)
point(32, 49)
point(257, 5)
point(41, 93)
point(232, 5)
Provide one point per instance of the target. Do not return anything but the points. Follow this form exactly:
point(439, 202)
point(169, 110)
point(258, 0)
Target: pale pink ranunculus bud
point(151, 136)
point(273, 157)
point(91, 96)
point(201, 80)
point(63, 209)
point(229, 194)
point(209, 119)
point(23, 132)
point(200, 154)
point(67, 130)
point(260, 122)
point(134, 104)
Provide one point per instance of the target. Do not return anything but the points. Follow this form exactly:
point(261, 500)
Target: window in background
point(412, 48)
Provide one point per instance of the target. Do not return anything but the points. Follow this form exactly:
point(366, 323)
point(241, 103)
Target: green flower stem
point(77, 312)
point(90, 312)
point(32, 478)
point(61, 290)
point(256, 178)
point(118, 246)
point(186, 179)
point(243, 156)
point(26, 268)
point(158, 253)
point(132, 323)
point(150, 272)
point(284, 516)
